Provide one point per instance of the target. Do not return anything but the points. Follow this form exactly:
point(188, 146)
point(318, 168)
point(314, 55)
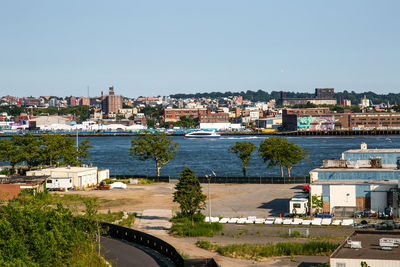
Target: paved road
point(121, 254)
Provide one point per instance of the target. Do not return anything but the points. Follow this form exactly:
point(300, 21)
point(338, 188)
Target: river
point(207, 155)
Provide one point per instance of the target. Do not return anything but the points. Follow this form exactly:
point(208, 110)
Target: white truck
point(55, 184)
point(298, 205)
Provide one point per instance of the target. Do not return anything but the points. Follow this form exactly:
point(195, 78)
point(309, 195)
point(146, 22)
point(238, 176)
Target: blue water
point(206, 155)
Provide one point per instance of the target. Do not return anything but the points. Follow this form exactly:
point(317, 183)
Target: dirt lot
point(230, 200)
point(227, 200)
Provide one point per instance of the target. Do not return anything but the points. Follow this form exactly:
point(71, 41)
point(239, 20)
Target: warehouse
point(81, 177)
point(362, 180)
point(373, 195)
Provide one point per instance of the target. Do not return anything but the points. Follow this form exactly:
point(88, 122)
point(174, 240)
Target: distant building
point(174, 114)
point(307, 119)
point(365, 102)
point(346, 102)
point(111, 103)
point(72, 101)
point(211, 117)
point(322, 96)
point(84, 101)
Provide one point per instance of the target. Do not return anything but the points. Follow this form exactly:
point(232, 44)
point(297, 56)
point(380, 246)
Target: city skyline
point(158, 48)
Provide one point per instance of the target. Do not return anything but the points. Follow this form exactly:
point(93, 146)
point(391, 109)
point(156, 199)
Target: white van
point(54, 184)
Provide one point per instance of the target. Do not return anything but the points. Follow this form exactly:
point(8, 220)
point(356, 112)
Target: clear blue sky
point(163, 47)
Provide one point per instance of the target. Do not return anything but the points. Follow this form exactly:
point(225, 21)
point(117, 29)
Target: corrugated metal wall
point(387, 158)
point(358, 175)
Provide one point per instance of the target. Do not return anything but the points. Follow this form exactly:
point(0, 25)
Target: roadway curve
point(120, 254)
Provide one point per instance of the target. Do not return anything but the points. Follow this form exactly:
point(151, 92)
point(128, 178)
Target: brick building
point(111, 103)
point(307, 119)
point(174, 114)
point(360, 121)
point(211, 117)
point(322, 96)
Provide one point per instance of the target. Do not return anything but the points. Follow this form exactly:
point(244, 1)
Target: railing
point(154, 243)
point(229, 179)
point(164, 179)
point(256, 180)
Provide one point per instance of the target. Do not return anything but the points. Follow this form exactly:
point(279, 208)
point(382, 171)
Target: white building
point(82, 177)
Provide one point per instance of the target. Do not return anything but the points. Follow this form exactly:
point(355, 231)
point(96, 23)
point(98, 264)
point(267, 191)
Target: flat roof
point(70, 169)
point(383, 150)
point(393, 169)
point(370, 246)
point(352, 182)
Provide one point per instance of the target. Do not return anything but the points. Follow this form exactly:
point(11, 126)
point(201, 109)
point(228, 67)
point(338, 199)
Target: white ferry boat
point(202, 134)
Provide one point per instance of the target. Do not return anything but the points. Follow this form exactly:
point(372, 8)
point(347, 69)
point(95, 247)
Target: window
point(296, 205)
point(340, 264)
point(49, 181)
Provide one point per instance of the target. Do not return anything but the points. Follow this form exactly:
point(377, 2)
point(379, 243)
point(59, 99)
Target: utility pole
point(209, 198)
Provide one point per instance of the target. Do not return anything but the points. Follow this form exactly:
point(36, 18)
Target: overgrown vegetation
point(33, 232)
point(257, 252)
point(128, 221)
point(182, 226)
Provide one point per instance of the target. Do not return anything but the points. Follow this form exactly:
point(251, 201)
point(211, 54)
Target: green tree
point(155, 146)
point(61, 149)
point(279, 151)
point(243, 150)
point(294, 155)
point(189, 195)
point(19, 149)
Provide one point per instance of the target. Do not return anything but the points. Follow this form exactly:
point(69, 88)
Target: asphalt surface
point(121, 254)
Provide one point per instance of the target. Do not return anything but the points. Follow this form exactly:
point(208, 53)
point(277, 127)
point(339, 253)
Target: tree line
point(261, 96)
point(275, 151)
point(47, 150)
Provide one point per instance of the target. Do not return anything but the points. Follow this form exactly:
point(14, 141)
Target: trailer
point(55, 184)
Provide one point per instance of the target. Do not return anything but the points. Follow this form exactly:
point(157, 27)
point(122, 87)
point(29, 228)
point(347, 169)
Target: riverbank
point(245, 133)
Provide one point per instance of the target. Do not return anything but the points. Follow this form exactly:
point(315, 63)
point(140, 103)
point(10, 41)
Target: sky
point(149, 48)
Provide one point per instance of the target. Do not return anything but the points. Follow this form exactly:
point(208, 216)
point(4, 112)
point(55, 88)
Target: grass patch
point(257, 252)
point(128, 222)
point(182, 226)
point(110, 217)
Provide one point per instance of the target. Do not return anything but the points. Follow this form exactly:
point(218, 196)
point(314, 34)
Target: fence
point(164, 179)
point(154, 243)
point(256, 180)
point(229, 179)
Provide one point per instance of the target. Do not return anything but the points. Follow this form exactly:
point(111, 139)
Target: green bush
point(35, 233)
point(269, 250)
point(110, 217)
point(182, 226)
point(127, 222)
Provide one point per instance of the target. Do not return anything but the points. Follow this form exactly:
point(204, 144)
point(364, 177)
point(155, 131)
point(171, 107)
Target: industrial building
point(322, 96)
point(81, 177)
point(363, 179)
point(368, 248)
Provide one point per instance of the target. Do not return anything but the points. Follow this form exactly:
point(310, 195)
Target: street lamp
point(208, 177)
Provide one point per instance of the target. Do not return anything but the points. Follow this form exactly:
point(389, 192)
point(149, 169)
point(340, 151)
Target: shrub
point(182, 226)
point(269, 250)
point(127, 222)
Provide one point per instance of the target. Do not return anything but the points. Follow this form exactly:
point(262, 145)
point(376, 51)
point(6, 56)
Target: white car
point(118, 185)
